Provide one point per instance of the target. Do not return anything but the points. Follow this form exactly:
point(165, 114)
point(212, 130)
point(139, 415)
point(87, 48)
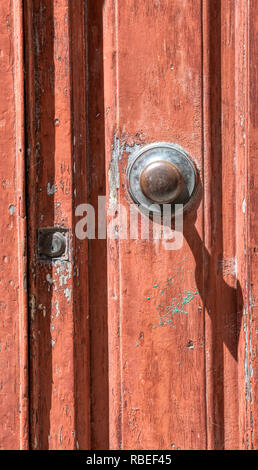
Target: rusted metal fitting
point(52, 243)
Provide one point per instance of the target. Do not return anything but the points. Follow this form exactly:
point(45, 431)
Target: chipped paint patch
point(32, 306)
point(174, 278)
point(11, 209)
point(131, 150)
point(113, 173)
point(227, 266)
point(64, 272)
point(119, 148)
point(49, 279)
point(68, 294)
point(173, 304)
point(247, 381)
point(176, 306)
point(57, 309)
point(51, 189)
point(173, 446)
point(43, 309)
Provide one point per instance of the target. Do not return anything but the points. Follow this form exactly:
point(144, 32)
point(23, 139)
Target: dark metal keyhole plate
point(52, 244)
point(161, 173)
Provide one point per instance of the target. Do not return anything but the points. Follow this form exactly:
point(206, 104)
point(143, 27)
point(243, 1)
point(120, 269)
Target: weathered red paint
point(106, 369)
point(158, 97)
point(13, 304)
point(97, 248)
point(193, 379)
point(57, 176)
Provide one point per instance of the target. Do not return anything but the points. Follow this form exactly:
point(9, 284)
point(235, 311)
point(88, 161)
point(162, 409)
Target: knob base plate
point(161, 151)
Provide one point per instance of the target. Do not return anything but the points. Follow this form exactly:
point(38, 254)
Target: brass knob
point(161, 182)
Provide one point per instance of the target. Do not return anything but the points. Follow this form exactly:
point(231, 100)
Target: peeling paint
point(68, 294)
point(51, 189)
point(131, 149)
point(11, 209)
point(119, 147)
point(227, 266)
point(113, 173)
point(49, 279)
point(32, 306)
point(174, 278)
point(247, 381)
point(175, 306)
point(173, 303)
point(43, 309)
point(64, 272)
point(57, 309)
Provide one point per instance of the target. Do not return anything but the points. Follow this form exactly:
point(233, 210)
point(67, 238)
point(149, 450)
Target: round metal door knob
point(161, 182)
point(161, 173)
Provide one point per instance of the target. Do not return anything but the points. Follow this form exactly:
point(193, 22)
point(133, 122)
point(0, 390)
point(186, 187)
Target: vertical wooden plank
point(57, 183)
point(137, 113)
point(97, 247)
point(153, 92)
point(246, 132)
point(80, 183)
point(13, 296)
point(253, 233)
point(223, 290)
point(228, 288)
point(230, 72)
point(246, 235)
point(241, 129)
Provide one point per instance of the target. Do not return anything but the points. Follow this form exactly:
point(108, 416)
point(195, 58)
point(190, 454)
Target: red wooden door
point(131, 345)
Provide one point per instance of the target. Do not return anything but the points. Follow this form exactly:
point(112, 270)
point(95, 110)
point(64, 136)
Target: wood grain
point(159, 87)
point(131, 345)
point(14, 431)
point(253, 231)
point(153, 91)
point(56, 139)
